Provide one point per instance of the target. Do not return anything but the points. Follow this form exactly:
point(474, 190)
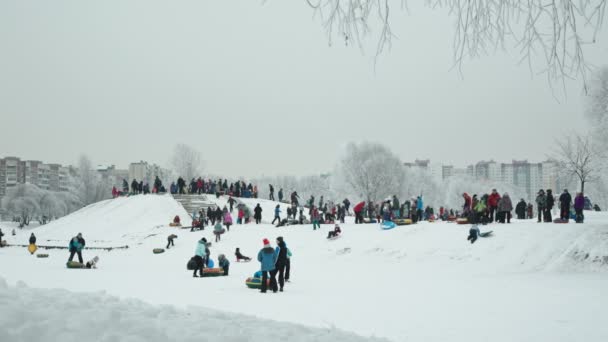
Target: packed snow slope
point(58, 315)
point(425, 282)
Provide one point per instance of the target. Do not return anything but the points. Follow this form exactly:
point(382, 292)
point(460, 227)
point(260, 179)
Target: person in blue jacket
point(201, 256)
point(419, 208)
point(277, 214)
point(267, 257)
point(76, 246)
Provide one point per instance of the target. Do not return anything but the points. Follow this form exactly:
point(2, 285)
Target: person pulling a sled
point(76, 246)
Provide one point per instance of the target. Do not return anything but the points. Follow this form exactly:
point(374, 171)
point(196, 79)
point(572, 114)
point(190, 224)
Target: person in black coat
point(549, 207)
point(565, 200)
point(1, 235)
point(520, 209)
point(281, 261)
point(32, 239)
point(257, 214)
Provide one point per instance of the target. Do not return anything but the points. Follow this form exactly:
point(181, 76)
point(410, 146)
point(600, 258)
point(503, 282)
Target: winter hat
point(266, 243)
point(280, 239)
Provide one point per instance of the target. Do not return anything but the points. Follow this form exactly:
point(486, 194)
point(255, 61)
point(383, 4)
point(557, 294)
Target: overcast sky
point(257, 89)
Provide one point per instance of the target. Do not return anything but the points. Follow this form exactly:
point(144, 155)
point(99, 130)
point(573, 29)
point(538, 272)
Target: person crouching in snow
point(240, 256)
point(267, 257)
point(170, 239)
point(218, 231)
point(201, 256)
point(473, 234)
point(223, 263)
point(335, 233)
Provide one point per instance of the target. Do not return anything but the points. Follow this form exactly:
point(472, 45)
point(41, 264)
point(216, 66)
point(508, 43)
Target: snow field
point(425, 282)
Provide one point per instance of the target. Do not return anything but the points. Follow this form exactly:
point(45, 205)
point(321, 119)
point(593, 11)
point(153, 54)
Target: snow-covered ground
point(529, 282)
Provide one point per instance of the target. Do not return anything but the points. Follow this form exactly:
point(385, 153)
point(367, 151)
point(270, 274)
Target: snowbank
point(59, 315)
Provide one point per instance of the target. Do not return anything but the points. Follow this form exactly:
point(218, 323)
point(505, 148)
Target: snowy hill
point(115, 222)
point(425, 282)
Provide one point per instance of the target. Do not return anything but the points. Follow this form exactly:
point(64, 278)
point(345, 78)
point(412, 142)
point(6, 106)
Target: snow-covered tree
point(555, 31)
point(23, 201)
point(88, 185)
point(187, 161)
point(578, 156)
point(371, 170)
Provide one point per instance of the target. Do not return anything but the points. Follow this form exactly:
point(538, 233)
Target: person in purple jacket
point(579, 205)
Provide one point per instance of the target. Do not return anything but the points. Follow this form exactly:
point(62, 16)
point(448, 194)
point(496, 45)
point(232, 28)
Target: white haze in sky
point(256, 88)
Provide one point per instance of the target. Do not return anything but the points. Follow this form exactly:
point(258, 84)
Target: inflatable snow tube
point(220, 232)
point(158, 250)
point(210, 263)
point(462, 221)
point(42, 255)
point(213, 272)
point(255, 283)
point(558, 220)
point(386, 225)
point(403, 222)
point(452, 218)
point(74, 264)
point(173, 224)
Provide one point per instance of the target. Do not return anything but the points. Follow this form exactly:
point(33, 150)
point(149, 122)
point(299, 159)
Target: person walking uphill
point(76, 245)
point(267, 257)
point(257, 214)
point(282, 260)
point(277, 214)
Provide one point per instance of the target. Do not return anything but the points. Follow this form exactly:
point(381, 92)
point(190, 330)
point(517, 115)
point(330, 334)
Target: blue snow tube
point(258, 274)
point(210, 263)
point(386, 225)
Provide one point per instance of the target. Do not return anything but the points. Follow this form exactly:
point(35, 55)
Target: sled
point(243, 260)
point(173, 224)
point(462, 221)
point(32, 248)
point(158, 250)
point(403, 222)
point(452, 218)
point(334, 237)
point(486, 234)
point(255, 283)
point(559, 220)
point(388, 225)
point(213, 272)
point(366, 220)
point(42, 255)
point(74, 264)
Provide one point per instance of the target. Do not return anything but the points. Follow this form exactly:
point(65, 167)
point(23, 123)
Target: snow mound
point(58, 315)
point(115, 222)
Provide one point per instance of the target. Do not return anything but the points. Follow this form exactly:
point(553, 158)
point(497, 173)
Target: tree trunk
point(583, 187)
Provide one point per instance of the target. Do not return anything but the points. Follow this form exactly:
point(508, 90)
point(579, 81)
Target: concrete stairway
point(192, 203)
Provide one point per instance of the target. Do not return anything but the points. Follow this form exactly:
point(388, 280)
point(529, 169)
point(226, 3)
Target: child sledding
point(334, 234)
point(474, 234)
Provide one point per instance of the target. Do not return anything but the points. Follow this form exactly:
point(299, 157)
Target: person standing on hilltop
point(541, 204)
point(271, 196)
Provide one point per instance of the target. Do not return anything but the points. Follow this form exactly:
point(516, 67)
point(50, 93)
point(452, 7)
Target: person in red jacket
point(493, 204)
point(466, 208)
